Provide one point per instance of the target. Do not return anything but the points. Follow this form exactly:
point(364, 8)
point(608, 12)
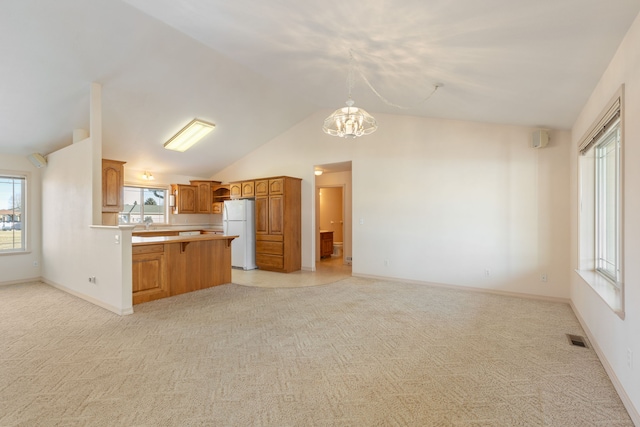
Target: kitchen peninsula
point(167, 264)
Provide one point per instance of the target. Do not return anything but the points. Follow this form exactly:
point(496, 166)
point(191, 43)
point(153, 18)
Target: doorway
point(333, 215)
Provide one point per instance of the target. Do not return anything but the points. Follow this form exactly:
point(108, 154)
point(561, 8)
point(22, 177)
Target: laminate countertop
point(139, 240)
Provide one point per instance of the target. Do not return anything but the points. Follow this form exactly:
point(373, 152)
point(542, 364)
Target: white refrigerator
point(238, 219)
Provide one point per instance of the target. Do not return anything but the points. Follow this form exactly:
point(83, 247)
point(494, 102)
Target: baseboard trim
point(626, 401)
point(21, 281)
point(467, 288)
point(90, 299)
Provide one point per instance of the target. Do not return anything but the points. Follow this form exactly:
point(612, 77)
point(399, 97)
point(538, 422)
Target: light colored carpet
point(357, 352)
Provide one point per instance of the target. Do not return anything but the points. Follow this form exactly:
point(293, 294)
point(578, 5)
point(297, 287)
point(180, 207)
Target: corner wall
point(444, 201)
point(73, 249)
point(615, 337)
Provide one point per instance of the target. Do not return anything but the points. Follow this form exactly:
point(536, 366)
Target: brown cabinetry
point(278, 224)
point(149, 273)
point(220, 194)
point(112, 185)
point(243, 189)
point(112, 190)
point(326, 244)
point(185, 198)
point(204, 195)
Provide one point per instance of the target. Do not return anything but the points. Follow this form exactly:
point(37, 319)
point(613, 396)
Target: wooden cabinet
point(185, 198)
point(220, 193)
point(278, 224)
point(245, 189)
point(235, 190)
point(204, 195)
point(326, 244)
point(112, 185)
point(198, 197)
point(175, 267)
point(149, 273)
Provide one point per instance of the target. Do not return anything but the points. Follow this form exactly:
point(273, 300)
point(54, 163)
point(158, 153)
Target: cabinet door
point(217, 207)
point(204, 197)
point(149, 279)
point(276, 186)
point(248, 189)
point(262, 188)
point(262, 215)
point(276, 214)
point(326, 244)
point(235, 190)
point(112, 186)
point(186, 199)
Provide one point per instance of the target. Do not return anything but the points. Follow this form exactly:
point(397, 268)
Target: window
point(12, 213)
point(600, 226)
point(144, 204)
point(607, 214)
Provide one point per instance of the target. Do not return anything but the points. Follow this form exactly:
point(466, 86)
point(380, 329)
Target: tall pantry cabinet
point(278, 224)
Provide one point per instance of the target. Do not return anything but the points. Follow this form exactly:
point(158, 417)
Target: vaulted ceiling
point(256, 68)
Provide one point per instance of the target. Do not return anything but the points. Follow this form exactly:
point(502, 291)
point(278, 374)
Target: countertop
point(140, 240)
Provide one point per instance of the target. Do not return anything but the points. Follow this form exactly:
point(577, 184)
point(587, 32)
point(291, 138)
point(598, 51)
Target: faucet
point(147, 222)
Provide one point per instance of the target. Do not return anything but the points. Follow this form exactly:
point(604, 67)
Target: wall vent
point(577, 340)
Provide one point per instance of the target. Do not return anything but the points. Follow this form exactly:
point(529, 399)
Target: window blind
point(603, 125)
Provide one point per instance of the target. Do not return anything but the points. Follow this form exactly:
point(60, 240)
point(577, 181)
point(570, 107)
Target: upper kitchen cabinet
point(112, 190)
point(245, 189)
point(204, 195)
point(185, 198)
point(220, 193)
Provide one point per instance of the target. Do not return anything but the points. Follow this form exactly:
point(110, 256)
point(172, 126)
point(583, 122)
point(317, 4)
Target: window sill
point(605, 289)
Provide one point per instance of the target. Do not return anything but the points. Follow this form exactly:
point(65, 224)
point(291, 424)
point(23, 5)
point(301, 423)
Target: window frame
point(609, 287)
point(24, 212)
point(607, 223)
point(142, 188)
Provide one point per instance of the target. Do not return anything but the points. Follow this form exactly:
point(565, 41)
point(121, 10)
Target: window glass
point(144, 204)
point(607, 163)
point(12, 213)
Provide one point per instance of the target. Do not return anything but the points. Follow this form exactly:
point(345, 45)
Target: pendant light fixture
point(350, 121)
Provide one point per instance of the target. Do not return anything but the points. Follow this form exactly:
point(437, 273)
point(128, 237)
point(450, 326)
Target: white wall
point(613, 335)
point(19, 267)
point(72, 249)
point(443, 201)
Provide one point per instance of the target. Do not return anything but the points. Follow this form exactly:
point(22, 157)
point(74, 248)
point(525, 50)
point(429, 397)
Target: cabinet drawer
point(274, 248)
point(269, 261)
point(147, 249)
point(270, 237)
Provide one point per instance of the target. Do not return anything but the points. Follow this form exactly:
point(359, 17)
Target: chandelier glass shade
point(349, 121)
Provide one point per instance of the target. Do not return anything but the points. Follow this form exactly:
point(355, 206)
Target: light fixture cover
point(349, 121)
point(189, 135)
point(318, 172)
point(147, 176)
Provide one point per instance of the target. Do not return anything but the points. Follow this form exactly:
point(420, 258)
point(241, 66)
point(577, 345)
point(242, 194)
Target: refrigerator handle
point(225, 219)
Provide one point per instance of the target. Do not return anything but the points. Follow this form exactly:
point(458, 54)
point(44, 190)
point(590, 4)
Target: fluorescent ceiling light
point(189, 135)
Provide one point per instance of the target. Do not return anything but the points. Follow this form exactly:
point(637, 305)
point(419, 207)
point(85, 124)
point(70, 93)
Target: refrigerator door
point(238, 220)
point(235, 210)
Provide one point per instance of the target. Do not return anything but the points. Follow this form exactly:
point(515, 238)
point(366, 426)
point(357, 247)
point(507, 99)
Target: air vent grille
point(577, 340)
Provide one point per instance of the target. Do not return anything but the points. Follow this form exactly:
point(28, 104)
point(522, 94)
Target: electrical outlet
point(92, 279)
point(117, 239)
point(543, 277)
point(35, 263)
point(386, 263)
point(487, 272)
